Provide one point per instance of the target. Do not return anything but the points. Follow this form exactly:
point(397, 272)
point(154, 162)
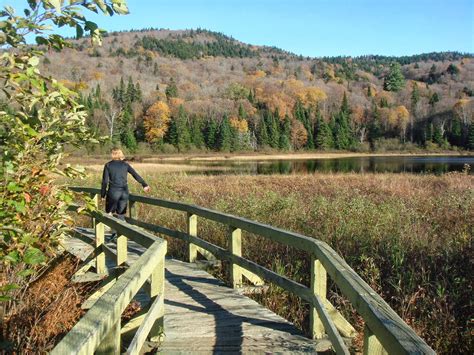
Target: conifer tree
point(242, 113)
point(456, 133)
point(394, 81)
point(130, 93)
point(273, 131)
point(197, 138)
point(183, 138)
point(437, 135)
point(374, 130)
point(470, 137)
point(262, 133)
point(324, 138)
point(225, 135)
point(342, 130)
point(285, 133)
point(210, 135)
point(171, 89)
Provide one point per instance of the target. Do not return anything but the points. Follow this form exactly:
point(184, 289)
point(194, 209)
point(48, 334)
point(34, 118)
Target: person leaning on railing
point(114, 184)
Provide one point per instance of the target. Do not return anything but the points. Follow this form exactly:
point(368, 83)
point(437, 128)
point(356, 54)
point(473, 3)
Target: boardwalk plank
point(203, 315)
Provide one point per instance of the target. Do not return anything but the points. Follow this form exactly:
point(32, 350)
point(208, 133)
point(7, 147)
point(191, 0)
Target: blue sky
point(314, 27)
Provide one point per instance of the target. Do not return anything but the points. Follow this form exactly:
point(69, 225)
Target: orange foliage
point(312, 96)
point(97, 75)
point(299, 135)
point(156, 121)
point(358, 114)
point(240, 125)
point(384, 95)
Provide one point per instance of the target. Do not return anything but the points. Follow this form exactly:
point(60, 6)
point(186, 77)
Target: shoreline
point(216, 157)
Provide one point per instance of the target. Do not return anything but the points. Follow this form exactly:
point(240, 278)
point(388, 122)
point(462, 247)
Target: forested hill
point(197, 89)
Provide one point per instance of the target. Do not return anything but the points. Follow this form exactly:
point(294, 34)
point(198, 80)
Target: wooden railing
point(384, 330)
point(100, 329)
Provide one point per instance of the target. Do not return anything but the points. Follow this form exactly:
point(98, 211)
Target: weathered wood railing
point(384, 330)
point(100, 329)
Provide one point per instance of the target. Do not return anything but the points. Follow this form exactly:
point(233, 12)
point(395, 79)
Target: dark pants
point(116, 201)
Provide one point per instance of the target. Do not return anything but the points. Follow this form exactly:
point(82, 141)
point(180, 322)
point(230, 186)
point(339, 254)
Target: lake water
point(370, 164)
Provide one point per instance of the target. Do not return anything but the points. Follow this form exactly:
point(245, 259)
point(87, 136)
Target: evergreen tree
point(242, 113)
point(324, 138)
point(138, 93)
point(341, 130)
point(225, 135)
point(456, 133)
point(374, 130)
point(273, 131)
point(210, 135)
point(414, 99)
point(197, 138)
point(434, 99)
point(470, 137)
point(262, 133)
point(171, 89)
point(429, 132)
point(452, 69)
point(394, 81)
point(251, 97)
point(285, 132)
point(183, 138)
point(171, 136)
point(437, 135)
point(130, 94)
point(345, 104)
point(127, 137)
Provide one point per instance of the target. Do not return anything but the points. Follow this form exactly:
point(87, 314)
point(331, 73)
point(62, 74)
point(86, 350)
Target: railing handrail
point(392, 332)
point(103, 318)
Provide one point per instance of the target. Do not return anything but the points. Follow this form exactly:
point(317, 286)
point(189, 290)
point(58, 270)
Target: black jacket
point(115, 176)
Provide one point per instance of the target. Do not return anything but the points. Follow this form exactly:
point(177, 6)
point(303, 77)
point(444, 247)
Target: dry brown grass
point(51, 307)
point(409, 237)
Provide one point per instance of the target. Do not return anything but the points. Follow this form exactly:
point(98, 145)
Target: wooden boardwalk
point(203, 315)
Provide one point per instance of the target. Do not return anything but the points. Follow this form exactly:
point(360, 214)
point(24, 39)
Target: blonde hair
point(117, 154)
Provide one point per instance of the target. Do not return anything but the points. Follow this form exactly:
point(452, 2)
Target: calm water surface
point(393, 164)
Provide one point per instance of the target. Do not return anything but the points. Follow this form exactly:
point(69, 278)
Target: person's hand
point(147, 189)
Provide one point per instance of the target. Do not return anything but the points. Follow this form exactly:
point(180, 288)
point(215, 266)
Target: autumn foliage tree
point(42, 116)
point(156, 121)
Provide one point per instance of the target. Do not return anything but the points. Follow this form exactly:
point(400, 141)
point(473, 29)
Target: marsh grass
point(408, 236)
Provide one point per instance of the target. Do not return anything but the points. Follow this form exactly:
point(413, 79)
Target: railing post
point(99, 244)
point(111, 343)
point(372, 345)
point(132, 213)
point(121, 249)
point(157, 287)
point(192, 230)
point(318, 287)
point(96, 200)
point(235, 247)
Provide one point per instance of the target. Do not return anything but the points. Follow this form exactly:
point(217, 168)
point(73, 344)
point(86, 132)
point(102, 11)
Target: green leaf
point(32, 4)
point(13, 187)
point(19, 206)
point(120, 7)
point(102, 6)
point(9, 287)
point(56, 4)
point(5, 298)
point(91, 26)
point(79, 31)
point(34, 256)
point(13, 256)
point(33, 61)
point(41, 40)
